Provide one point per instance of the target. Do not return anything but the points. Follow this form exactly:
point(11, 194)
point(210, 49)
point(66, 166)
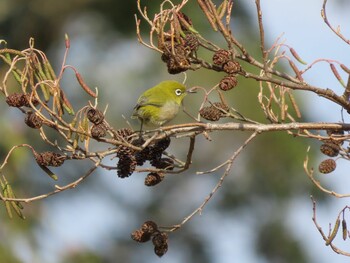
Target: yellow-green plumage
point(160, 104)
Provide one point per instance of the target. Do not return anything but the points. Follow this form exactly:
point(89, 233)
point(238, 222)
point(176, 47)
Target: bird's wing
point(143, 101)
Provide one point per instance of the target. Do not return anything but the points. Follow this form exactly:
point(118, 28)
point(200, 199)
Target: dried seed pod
point(127, 161)
point(57, 160)
point(191, 42)
point(333, 141)
point(95, 115)
point(175, 57)
point(327, 166)
point(156, 150)
point(27, 98)
point(209, 113)
point(126, 165)
point(143, 155)
point(138, 141)
point(160, 251)
point(124, 151)
point(213, 112)
point(98, 131)
point(228, 83)
point(160, 239)
point(221, 57)
point(177, 65)
point(231, 67)
point(220, 106)
point(163, 163)
point(149, 227)
point(50, 159)
point(335, 132)
point(125, 133)
point(20, 99)
point(151, 152)
point(15, 100)
point(140, 236)
point(165, 57)
point(160, 242)
point(33, 120)
point(153, 179)
point(162, 144)
point(330, 149)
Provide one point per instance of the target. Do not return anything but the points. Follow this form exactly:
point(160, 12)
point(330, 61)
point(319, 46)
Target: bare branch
point(229, 164)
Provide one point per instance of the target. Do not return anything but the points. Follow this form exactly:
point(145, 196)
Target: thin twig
point(229, 163)
point(310, 174)
point(336, 31)
point(319, 228)
point(262, 35)
point(56, 191)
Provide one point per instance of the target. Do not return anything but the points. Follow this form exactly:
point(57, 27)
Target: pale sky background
point(306, 32)
point(303, 29)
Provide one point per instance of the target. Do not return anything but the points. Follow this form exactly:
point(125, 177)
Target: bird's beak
point(192, 90)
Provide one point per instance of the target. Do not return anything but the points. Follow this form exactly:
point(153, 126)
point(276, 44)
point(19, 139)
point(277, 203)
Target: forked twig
point(229, 164)
point(310, 174)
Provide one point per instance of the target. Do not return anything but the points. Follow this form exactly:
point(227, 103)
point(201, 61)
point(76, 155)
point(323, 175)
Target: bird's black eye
point(178, 92)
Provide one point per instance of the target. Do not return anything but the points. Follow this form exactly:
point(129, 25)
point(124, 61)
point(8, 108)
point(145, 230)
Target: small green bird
point(160, 104)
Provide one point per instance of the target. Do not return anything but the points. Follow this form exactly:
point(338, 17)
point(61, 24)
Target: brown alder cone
point(95, 115)
point(327, 166)
point(221, 56)
point(213, 112)
point(228, 82)
point(33, 120)
point(330, 149)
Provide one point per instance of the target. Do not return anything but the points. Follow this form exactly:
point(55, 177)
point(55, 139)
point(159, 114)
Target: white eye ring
point(178, 92)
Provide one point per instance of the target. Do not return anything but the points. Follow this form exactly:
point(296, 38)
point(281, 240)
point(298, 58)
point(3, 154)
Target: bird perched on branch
point(160, 104)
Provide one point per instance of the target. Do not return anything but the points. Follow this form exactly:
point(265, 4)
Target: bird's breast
point(168, 111)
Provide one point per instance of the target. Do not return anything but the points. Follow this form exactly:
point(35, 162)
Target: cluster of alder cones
point(331, 148)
